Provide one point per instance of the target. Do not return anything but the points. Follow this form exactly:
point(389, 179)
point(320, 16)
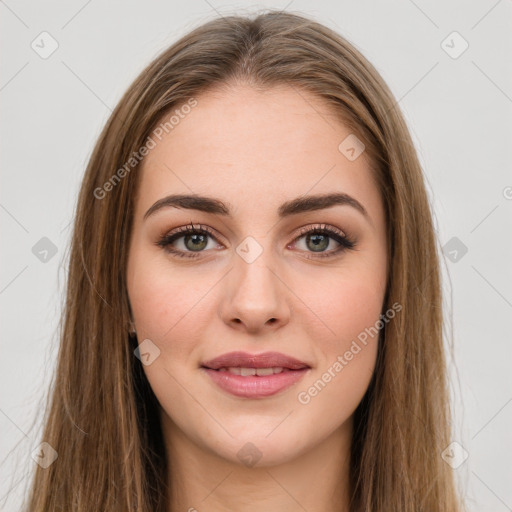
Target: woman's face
point(257, 282)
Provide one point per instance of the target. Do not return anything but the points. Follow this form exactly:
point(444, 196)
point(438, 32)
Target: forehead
point(248, 145)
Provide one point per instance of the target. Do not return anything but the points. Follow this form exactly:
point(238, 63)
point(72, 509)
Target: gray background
point(459, 111)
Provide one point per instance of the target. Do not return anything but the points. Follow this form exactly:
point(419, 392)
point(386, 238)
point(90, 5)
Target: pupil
point(320, 242)
point(198, 241)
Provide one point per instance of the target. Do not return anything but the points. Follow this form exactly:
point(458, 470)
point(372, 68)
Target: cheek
point(163, 301)
point(341, 307)
point(353, 306)
point(168, 309)
point(346, 341)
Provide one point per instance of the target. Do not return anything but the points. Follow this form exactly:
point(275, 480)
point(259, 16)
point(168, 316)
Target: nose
point(255, 298)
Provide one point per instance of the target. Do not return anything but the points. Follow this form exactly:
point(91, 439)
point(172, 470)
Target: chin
point(261, 452)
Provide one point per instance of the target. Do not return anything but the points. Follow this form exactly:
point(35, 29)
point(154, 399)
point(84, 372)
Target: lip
point(255, 386)
point(246, 360)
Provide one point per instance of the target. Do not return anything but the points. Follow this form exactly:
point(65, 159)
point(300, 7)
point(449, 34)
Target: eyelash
point(345, 242)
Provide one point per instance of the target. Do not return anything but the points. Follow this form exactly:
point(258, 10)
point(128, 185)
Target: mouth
point(255, 376)
point(249, 372)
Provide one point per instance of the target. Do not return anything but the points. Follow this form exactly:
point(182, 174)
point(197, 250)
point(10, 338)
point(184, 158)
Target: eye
point(188, 241)
point(320, 238)
point(191, 240)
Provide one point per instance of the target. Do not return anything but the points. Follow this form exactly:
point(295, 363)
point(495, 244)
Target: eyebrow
point(293, 207)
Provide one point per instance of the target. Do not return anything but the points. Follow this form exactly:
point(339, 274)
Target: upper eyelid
point(184, 230)
point(321, 227)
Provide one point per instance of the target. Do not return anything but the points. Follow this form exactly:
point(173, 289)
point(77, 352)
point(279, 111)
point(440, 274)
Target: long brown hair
point(103, 418)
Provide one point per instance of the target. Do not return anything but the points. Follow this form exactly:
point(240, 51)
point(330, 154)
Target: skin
point(256, 150)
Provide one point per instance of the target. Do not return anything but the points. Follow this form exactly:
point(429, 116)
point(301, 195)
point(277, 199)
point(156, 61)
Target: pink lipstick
point(255, 375)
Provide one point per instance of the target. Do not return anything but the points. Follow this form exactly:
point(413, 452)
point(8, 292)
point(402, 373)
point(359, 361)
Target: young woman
point(253, 316)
